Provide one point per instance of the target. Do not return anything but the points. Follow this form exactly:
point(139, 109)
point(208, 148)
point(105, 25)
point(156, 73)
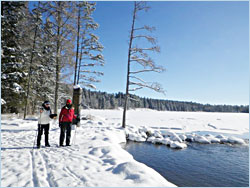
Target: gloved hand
point(60, 124)
point(78, 119)
point(53, 116)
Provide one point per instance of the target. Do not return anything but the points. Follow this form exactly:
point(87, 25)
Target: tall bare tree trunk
point(30, 68)
point(58, 54)
point(79, 68)
point(78, 39)
point(128, 71)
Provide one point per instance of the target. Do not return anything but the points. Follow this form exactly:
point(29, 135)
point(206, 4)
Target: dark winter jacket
point(67, 115)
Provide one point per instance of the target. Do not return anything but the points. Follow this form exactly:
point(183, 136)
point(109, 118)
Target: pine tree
point(13, 68)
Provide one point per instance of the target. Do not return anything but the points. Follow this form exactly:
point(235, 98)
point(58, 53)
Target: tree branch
point(93, 72)
point(135, 89)
point(154, 48)
point(154, 86)
point(137, 78)
point(150, 29)
point(91, 64)
point(149, 38)
point(159, 70)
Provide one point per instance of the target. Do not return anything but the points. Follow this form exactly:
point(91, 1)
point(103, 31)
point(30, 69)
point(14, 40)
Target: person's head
point(69, 103)
point(46, 105)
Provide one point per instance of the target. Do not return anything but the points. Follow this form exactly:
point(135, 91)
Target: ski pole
point(74, 139)
point(37, 132)
point(35, 140)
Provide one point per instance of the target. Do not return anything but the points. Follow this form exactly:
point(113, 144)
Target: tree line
point(41, 49)
point(103, 100)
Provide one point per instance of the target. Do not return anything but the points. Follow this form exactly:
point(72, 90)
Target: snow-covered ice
point(96, 157)
point(201, 127)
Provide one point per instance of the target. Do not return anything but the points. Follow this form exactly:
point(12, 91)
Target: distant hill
point(103, 100)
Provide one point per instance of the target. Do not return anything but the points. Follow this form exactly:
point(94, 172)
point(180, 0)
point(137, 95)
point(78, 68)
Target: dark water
point(199, 165)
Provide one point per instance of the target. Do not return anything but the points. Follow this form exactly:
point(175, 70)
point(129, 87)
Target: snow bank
point(176, 140)
point(127, 171)
point(95, 159)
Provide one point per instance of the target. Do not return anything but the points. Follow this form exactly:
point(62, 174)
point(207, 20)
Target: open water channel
point(198, 165)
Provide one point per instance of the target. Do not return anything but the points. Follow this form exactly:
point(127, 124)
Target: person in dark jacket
point(65, 121)
point(43, 123)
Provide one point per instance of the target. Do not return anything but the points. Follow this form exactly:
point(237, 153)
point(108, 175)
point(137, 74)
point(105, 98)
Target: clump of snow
point(3, 102)
point(157, 134)
point(190, 137)
point(136, 137)
point(234, 140)
point(176, 138)
point(77, 86)
point(212, 139)
point(201, 139)
point(223, 139)
point(17, 88)
point(166, 141)
point(182, 137)
point(157, 141)
point(151, 138)
point(178, 145)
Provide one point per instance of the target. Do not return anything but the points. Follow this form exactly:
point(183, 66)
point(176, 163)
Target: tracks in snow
point(44, 173)
point(39, 170)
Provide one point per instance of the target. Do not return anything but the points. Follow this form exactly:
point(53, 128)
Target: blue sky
point(204, 48)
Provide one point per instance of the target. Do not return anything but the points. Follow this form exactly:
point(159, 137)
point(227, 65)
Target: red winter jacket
point(67, 115)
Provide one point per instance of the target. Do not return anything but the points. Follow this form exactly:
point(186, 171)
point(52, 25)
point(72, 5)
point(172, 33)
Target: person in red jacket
point(65, 121)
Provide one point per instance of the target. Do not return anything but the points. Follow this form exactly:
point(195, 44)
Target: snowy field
point(96, 158)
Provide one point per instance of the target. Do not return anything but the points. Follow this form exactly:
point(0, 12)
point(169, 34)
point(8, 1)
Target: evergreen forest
point(103, 100)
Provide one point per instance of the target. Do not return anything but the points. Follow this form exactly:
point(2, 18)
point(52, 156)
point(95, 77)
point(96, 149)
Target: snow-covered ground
point(96, 157)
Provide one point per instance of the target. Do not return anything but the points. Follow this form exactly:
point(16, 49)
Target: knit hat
point(46, 102)
point(46, 105)
point(68, 101)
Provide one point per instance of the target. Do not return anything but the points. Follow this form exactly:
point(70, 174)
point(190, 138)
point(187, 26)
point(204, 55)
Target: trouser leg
point(68, 134)
point(62, 134)
point(46, 132)
point(39, 134)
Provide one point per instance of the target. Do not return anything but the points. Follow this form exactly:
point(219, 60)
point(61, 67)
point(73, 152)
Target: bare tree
point(62, 14)
point(89, 46)
point(140, 56)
